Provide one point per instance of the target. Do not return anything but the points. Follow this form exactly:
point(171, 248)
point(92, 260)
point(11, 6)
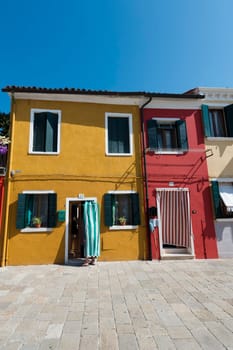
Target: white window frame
point(40, 229)
point(119, 115)
point(31, 133)
point(125, 227)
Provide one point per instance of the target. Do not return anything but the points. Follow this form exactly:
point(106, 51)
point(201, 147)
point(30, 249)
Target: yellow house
point(70, 147)
point(217, 113)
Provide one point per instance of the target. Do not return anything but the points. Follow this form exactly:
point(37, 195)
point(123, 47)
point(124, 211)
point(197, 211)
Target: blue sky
point(120, 45)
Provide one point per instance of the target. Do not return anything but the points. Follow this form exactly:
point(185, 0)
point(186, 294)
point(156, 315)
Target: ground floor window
point(121, 208)
point(223, 198)
point(36, 209)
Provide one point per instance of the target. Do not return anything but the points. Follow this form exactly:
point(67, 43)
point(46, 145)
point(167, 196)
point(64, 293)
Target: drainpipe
point(145, 174)
point(4, 259)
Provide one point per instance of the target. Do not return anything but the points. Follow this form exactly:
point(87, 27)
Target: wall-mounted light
point(13, 172)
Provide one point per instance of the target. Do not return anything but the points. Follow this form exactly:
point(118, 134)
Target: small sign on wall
point(61, 215)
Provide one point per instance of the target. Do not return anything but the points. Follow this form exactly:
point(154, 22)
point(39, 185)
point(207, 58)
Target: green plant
point(122, 220)
point(36, 221)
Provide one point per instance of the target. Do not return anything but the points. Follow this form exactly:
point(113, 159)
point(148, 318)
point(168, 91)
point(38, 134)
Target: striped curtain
point(175, 217)
point(92, 229)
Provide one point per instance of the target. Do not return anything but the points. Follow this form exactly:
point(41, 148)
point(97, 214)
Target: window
point(36, 204)
point(121, 208)
point(167, 135)
point(223, 199)
point(218, 122)
point(45, 131)
point(118, 134)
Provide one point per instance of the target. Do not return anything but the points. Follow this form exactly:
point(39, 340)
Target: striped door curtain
point(92, 229)
point(174, 205)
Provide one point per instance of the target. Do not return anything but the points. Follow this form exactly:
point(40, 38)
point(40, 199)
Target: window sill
point(170, 152)
point(123, 227)
point(119, 154)
point(44, 153)
point(224, 219)
point(34, 229)
point(212, 138)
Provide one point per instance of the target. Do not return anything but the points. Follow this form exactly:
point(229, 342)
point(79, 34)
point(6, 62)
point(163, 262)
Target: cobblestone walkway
point(118, 305)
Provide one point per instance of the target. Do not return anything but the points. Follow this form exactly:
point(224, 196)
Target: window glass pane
point(45, 130)
point(37, 206)
point(122, 208)
point(118, 135)
point(217, 124)
point(167, 138)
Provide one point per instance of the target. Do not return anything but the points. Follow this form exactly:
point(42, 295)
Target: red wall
point(188, 170)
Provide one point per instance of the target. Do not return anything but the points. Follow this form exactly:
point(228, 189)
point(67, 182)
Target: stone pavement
point(118, 305)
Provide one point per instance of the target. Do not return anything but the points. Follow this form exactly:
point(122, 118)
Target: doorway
point(75, 229)
point(175, 229)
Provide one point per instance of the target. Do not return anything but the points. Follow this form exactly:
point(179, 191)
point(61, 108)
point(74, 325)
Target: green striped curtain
point(92, 229)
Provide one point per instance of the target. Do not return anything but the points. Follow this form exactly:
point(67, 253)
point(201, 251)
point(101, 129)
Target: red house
point(177, 189)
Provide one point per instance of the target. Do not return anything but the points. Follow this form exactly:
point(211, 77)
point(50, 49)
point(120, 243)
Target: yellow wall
point(81, 167)
point(220, 161)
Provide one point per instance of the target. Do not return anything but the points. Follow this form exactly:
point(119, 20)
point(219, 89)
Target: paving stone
point(127, 342)
point(108, 340)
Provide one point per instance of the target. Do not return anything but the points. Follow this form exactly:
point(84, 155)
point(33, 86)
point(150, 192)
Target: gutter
point(4, 258)
point(145, 174)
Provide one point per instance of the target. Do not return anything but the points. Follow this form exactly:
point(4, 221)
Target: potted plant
point(122, 220)
point(36, 221)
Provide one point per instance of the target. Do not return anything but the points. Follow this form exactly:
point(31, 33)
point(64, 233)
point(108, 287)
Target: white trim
point(171, 189)
point(122, 227)
point(121, 192)
point(68, 200)
point(119, 115)
point(222, 179)
point(166, 120)
point(41, 229)
point(37, 192)
point(170, 152)
point(212, 138)
point(37, 110)
point(224, 219)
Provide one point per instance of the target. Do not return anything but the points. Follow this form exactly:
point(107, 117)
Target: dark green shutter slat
point(152, 134)
point(20, 216)
point(216, 199)
point(182, 134)
point(135, 209)
point(108, 220)
point(228, 110)
point(206, 120)
point(39, 128)
point(51, 132)
point(52, 209)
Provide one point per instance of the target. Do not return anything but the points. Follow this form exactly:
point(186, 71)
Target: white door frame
point(191, 249)
point(68, 200)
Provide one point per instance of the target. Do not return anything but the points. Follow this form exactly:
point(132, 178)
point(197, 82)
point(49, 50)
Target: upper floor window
point(36, 207)
point(167, 135)
point(223, 198)
point(118, 139)
point(45, 131)
point(218, 122)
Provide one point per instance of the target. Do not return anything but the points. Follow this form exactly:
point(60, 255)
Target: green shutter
point(135, 209)
point(52, 209)
point(108, 219)
point(51, 132)
point(216, 199)
point(228, 110)
point(182, 135)
point(152, 134)
point(206, 120)
point(20, 216)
